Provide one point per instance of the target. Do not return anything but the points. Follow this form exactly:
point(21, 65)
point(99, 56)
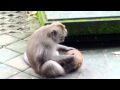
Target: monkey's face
point(58, 34)
point(59, 38)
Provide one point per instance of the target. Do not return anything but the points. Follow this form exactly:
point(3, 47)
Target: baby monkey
point(42, 51)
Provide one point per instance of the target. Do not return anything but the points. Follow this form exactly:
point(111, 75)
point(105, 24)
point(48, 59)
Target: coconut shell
point(78, 60)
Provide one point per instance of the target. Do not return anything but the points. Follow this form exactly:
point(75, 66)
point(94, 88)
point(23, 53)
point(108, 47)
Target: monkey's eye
point(62, 38)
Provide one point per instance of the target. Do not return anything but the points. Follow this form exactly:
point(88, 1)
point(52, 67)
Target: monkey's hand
point(63, 47)
point(69, 48)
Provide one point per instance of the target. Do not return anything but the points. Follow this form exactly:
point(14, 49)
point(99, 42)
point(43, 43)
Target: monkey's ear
point(52, 33)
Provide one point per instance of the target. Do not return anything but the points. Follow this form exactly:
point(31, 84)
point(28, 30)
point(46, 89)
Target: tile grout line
point(20, 38)
point(10, 58)
point(22, 71)
point(15, 51)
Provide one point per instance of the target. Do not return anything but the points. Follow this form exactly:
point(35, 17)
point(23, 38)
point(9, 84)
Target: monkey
point(42, 51)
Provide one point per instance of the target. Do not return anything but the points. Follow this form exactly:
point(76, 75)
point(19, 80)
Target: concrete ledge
point(93, 26)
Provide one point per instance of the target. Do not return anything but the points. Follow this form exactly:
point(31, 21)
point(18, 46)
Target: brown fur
point(78, 60)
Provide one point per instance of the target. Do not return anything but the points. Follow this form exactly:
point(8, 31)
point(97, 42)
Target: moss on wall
point(93, 28)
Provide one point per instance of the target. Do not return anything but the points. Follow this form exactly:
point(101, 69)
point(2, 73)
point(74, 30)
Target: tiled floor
point(98, 63)
point(12, 46)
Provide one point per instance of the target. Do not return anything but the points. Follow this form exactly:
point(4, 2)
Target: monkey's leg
point(68, 67)
point(65, 61)
point(52, 69)
point(63, 47)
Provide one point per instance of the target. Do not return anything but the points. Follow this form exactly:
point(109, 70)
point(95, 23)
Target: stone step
point(54, 15)
point(82, 23)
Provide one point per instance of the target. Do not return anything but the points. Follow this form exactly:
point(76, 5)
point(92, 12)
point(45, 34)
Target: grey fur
point(41, 53)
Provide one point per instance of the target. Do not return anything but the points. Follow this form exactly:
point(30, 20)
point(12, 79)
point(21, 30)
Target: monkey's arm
point(62, 58)
point(63, 47)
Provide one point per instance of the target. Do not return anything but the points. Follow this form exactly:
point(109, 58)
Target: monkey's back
point(38, 49)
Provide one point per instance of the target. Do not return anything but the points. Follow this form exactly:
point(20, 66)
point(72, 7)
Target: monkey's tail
point(52, 69)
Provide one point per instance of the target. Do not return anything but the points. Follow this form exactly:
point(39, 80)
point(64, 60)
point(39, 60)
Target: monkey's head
point(57, 32)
